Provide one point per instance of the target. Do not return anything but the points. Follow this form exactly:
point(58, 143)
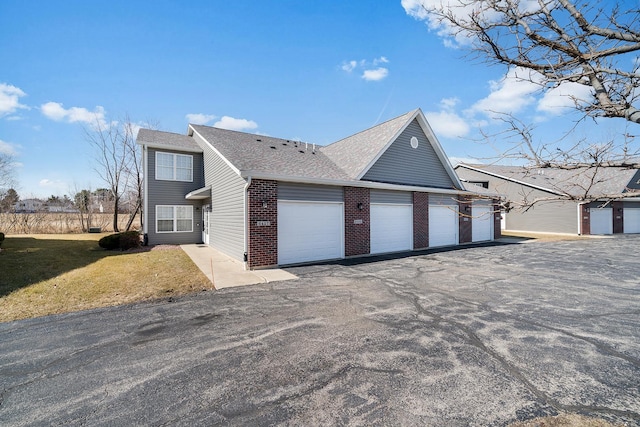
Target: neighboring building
point(271, 201)
point(29, 206)
point(520, 186)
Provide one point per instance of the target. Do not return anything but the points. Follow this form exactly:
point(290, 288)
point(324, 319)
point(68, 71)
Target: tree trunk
point(115, 215)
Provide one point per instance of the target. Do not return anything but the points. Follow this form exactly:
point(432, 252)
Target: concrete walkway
point(226, 272)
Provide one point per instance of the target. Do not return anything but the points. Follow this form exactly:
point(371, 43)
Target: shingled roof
point(168, 140)
point(250, 153)
point(354, 153)
point(573, 182)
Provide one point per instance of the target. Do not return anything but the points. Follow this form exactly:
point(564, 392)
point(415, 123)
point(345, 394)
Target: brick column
point(497, 220)
point(464, 219)
point(357, 225)
point(585, 220)
point(262, 223)
point(420, 220)
point(618, 217)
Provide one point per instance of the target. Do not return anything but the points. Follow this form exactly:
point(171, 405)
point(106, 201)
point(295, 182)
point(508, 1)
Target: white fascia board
point(526, 184)
point(192, 131)
point(170, 147)
point(348, 183)
point(197, 194)
point(386, 147)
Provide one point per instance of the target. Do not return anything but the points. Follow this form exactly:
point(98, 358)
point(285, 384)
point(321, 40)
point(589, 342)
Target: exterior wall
point(172, 193)
point(227, 222)
point(497, 217)
point(420, 220)
point(552, 216)
point(402, 164)
point(465, 223)
point(386, 196)
point(357, 223)
point(308, 192)
point(263, 238)
point(618, 217)
point(585, 220)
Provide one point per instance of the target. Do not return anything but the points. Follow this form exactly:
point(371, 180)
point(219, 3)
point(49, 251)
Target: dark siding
point(227, 226)
point(309, 192)
point(402, 164)
point(393, 197)
point(172, 193)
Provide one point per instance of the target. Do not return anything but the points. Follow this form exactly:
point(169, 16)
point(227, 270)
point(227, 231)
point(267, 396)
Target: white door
point(601, 220)
point(310, 231)
point(443, 225)
point(481, 223)
point(206, 214)
point(632, 220)
point(391, 228)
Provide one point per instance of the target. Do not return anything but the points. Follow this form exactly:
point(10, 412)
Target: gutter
point(246, 223)
point(145, 193)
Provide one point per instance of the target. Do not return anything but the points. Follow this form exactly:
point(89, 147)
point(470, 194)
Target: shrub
point(1, 238)
point(122, 241)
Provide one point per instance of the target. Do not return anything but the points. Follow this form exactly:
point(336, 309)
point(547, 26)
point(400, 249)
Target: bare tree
point(593, 44)
point(6, 171)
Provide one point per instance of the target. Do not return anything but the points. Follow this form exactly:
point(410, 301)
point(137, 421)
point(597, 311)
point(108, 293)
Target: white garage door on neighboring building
point(481, 222)
point(391, 228)
point(601, 221)
point(310, 231)
point(631, 221)
point(443, 221)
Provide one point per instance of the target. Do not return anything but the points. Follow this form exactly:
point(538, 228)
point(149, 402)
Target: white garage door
point(481, 223)
point(443, 225)
point(632, 220)
point(309, 231)
point(391, 228)
point(601, 220)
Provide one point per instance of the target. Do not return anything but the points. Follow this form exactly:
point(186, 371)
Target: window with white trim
point(174, 219)
point(174, 167)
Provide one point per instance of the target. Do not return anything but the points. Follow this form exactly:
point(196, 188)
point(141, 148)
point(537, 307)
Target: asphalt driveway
point(476, 336)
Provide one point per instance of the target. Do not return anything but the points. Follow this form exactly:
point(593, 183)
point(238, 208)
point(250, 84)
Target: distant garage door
point(481, 222)
point(309, 231)
point(601, 220)
point(443, 222)
point(391, 228)
point(631, 220)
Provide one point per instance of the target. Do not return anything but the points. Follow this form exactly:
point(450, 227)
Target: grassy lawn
point(48, 274)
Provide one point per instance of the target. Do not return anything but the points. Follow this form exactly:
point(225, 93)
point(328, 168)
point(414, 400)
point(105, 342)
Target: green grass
point(48, 274)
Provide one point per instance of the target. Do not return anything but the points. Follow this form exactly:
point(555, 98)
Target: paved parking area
point(476, 336)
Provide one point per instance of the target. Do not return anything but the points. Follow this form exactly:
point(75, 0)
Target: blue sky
point(317, 71)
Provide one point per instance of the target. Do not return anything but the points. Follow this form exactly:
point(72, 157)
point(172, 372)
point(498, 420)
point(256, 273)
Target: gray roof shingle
point(170, 140)
point(573, 182)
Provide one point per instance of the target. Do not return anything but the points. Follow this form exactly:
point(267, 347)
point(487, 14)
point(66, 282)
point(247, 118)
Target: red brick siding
point(497, 220)
point(357, 237)
point(464, 220)
point(420, 220)
point(585, 220)
point(263, 240)
point(618, 217)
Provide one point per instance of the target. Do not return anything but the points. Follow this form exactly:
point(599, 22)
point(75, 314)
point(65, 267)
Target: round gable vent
point(414, 142)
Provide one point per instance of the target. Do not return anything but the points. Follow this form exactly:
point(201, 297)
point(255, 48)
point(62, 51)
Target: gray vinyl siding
point(551, 216)
point(402, 164)
point(443, 199)
point(227, 227)
point(309, 192)
point(631, 205)
point(391, 197)
point(172, 193)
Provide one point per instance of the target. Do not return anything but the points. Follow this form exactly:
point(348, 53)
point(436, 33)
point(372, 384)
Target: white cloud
point(349, 66)
point(199, 118)
point(564, 97)
point(56, 111)
point(53, 185)
point(375, 74)
point(7, 148)
point(511, 94)
point(10, 99)
point(232, 123)
point(457, 160)
point(447, 122)
point(381, 60)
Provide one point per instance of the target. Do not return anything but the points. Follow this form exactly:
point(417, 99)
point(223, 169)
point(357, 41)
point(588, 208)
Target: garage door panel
point(481, 223)
point(309, 231)
point(391, 228)
point(601, 221)
point(443, 225)
point(632, 220)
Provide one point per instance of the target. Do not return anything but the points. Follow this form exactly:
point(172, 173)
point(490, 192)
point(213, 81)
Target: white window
point(174, 219)
point(174, 167)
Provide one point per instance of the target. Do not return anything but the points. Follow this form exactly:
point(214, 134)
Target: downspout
point(145, 194)
point(246, 223)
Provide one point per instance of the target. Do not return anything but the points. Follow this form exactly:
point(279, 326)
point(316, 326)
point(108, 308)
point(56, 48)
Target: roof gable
point(167, 140)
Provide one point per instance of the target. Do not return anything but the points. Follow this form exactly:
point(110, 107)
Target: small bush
point(1, 238)
point(122, 241)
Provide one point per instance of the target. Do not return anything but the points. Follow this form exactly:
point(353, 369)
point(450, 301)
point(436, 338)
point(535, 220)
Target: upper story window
point(174, 167)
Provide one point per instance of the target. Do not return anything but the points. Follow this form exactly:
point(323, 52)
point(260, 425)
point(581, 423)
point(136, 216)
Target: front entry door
point(206, 211)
